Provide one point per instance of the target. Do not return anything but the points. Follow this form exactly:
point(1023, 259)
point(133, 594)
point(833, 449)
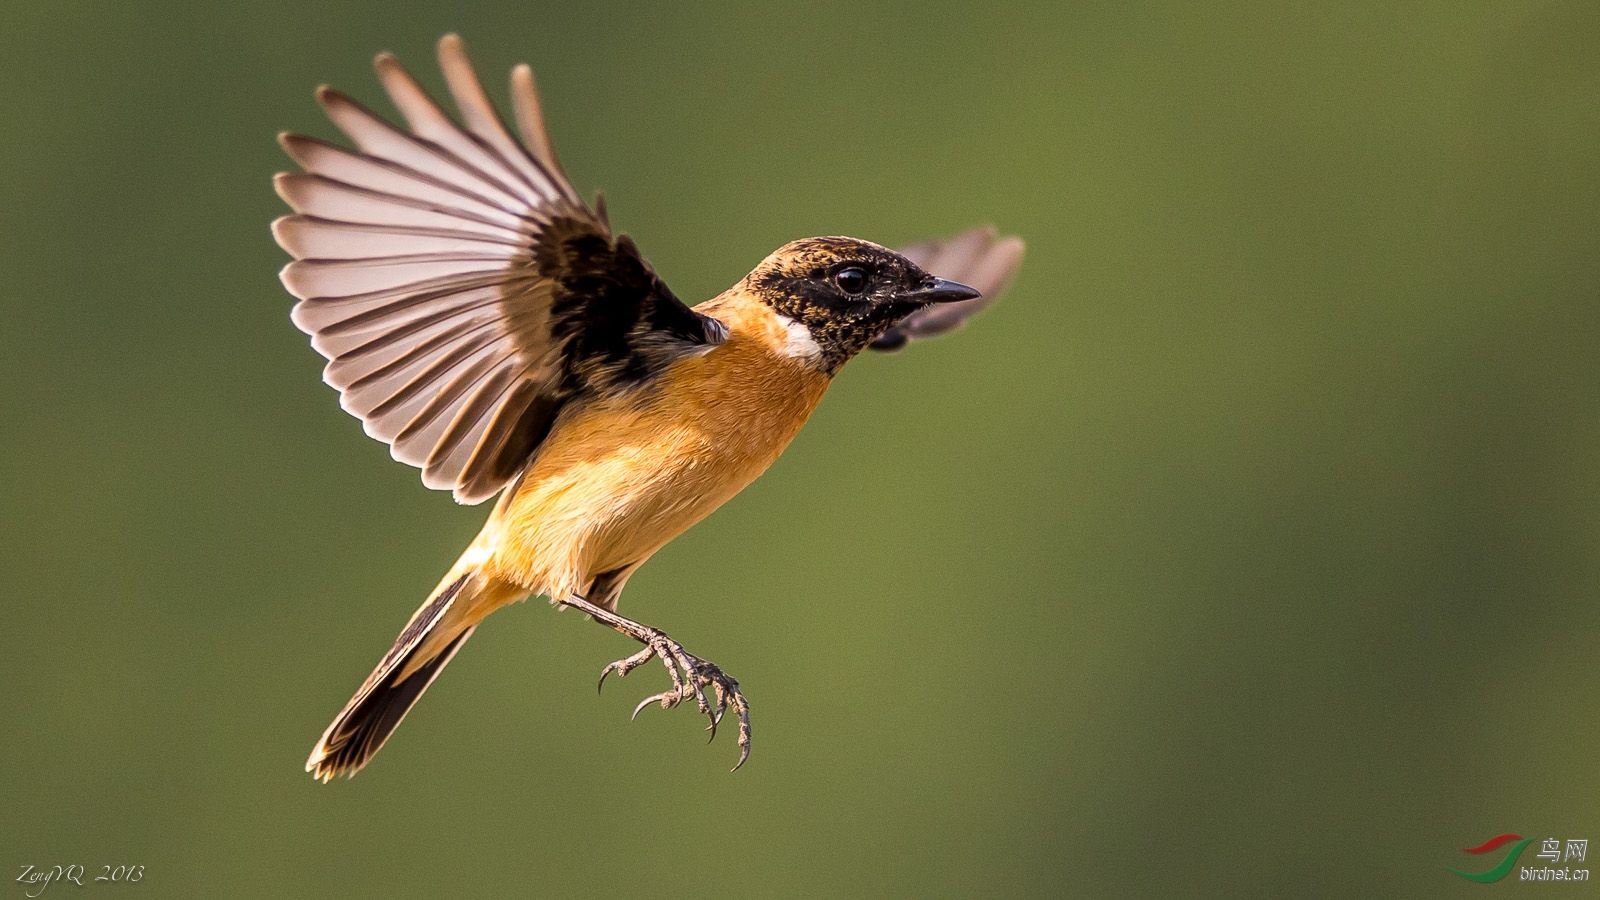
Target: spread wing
point(976, 258)
point(460, 289)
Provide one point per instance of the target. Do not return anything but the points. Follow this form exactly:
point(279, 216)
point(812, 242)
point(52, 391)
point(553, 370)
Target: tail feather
point(389, 692)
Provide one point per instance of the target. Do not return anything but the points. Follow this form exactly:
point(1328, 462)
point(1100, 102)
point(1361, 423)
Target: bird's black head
point(845, 292)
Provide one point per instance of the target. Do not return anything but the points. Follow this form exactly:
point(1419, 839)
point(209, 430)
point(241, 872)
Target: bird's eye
point(851, 281)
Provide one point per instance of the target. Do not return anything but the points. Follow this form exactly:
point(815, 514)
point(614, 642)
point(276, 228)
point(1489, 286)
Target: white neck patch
point(797, 341)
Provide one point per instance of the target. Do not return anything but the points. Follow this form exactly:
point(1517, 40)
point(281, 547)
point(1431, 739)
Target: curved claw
point(623, 666)
point(716, 714)
point(667, 699)
point(744, 754)
point(640, 708)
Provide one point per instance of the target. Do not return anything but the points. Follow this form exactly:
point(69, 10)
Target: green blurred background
point(1250, 548)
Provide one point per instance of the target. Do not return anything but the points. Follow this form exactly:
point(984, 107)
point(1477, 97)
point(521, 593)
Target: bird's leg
point(697, 674)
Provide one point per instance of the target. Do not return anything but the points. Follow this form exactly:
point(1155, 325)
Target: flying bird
point(495, 332)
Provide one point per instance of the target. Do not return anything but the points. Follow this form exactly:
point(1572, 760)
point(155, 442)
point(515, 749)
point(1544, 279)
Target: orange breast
point(621, 477)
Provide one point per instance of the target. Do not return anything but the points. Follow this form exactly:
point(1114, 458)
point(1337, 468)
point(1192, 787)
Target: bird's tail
point(434, 634)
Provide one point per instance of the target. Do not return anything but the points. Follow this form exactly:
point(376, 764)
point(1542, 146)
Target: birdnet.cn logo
point(1554, 850)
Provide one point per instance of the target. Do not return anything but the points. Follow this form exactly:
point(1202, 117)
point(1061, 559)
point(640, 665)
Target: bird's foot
point(691, 676)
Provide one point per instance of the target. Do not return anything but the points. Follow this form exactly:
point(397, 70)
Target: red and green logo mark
point(1504, 868)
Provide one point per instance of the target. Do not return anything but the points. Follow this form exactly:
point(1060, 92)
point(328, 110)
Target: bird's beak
point(942, 291)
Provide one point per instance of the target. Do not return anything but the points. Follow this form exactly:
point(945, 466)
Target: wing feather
point(519, 423)
point(308, 237)
point(344, 277)
point(339, 325)
point(317, 195)
point(530, 122)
